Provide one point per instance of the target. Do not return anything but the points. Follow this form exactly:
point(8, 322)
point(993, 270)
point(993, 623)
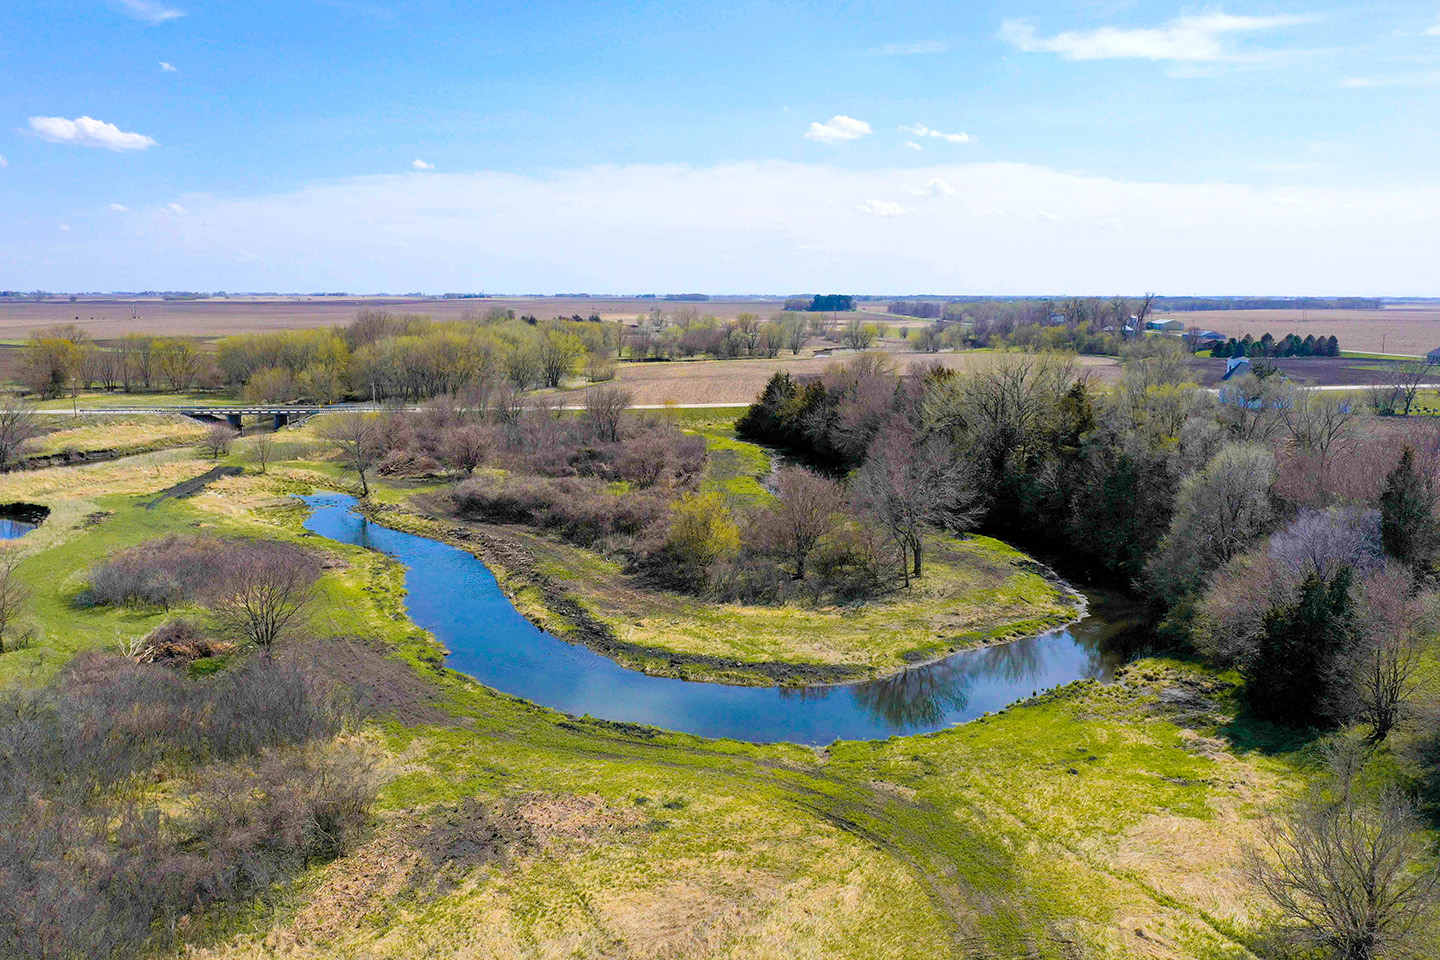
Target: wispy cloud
point(910, 49)
point(1434, 31)
point(1424, 78)
point(88, 132)
point(880, 208)
point(421, 165)
point(150, 11)
point(672, 228)
point(119, 208)
point(913, 145)
point(838, 128)
point(176, 209)
point(939, 188)
point(1196, 37)
point(168, 67)
point(920, 130)
point(3, 162)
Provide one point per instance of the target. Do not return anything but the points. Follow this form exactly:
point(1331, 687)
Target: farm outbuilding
point(1433, 356)
point(1165, 326)
point(1236, 366)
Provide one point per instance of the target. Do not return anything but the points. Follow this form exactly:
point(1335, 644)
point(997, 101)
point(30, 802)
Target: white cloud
point(149, 10)
point(168, 67)
point(1193, 37)
point(913, 145)
point(838, 128)
point(88, 132)
point(1434, 31)
point(920, 130)
point(119, 208)
point(880, 208)
point(756, 227)
point(245, 256)
point(910, 49)
point(64, 228)
point(3, 162)
point(939, 188)
point(175, 208)
point(422, 165)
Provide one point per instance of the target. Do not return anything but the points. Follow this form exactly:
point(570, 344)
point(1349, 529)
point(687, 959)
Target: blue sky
point(370, 145)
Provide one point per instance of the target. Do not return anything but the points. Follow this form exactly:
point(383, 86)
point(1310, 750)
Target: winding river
point(453, 594)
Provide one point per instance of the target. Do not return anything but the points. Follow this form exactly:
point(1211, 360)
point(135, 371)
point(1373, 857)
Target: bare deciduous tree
point(355, 437)
point(1386, 676)
point(14, 595)
point(18, 427)
point(604, 409)
point(264, 595)
point(1320, 422)
point(463, 448)
point(1253, 409)
point(217, 439)
point(858, 334)
point(1142, 311)
point(910, 485)
point(804, 510)
point(1351, 874)
point(1411, 376)
point(262, 451)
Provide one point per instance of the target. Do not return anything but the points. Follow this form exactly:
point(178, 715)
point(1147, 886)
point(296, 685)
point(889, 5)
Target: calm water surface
point(13, 529)
point(453, 595)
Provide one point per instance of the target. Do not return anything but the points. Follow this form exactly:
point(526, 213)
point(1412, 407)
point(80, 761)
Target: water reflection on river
point(453, 594)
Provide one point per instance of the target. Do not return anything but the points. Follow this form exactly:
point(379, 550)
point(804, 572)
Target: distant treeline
point(939, 307)
point(1267, 303)
point(922, 309)
point(822, 303)
point(379, 356)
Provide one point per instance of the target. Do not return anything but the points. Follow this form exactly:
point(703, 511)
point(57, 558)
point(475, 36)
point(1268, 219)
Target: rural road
point(221, 411)
point(269, 410)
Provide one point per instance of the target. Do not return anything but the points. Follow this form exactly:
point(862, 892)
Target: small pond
point(454, 595)
point(18, 519)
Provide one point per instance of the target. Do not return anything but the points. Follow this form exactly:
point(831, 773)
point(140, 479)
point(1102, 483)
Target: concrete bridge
point(234, 415)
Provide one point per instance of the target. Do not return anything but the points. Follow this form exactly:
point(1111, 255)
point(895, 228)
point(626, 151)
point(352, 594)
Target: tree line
point(1290, 345)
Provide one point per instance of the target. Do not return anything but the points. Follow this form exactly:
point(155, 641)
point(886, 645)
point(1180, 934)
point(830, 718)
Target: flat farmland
point(1401, 331)
point(739, 381)
point(107, 317)
point(1317, 371)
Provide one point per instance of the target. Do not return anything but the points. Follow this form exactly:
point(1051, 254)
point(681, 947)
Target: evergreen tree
point(1290, 675)
point(1407, 520)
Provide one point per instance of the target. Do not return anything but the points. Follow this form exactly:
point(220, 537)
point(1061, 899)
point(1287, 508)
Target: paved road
point(221, 411)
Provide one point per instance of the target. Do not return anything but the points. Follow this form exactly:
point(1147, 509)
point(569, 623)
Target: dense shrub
point(90, 866)
point(177, 568)
point(581, 511)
